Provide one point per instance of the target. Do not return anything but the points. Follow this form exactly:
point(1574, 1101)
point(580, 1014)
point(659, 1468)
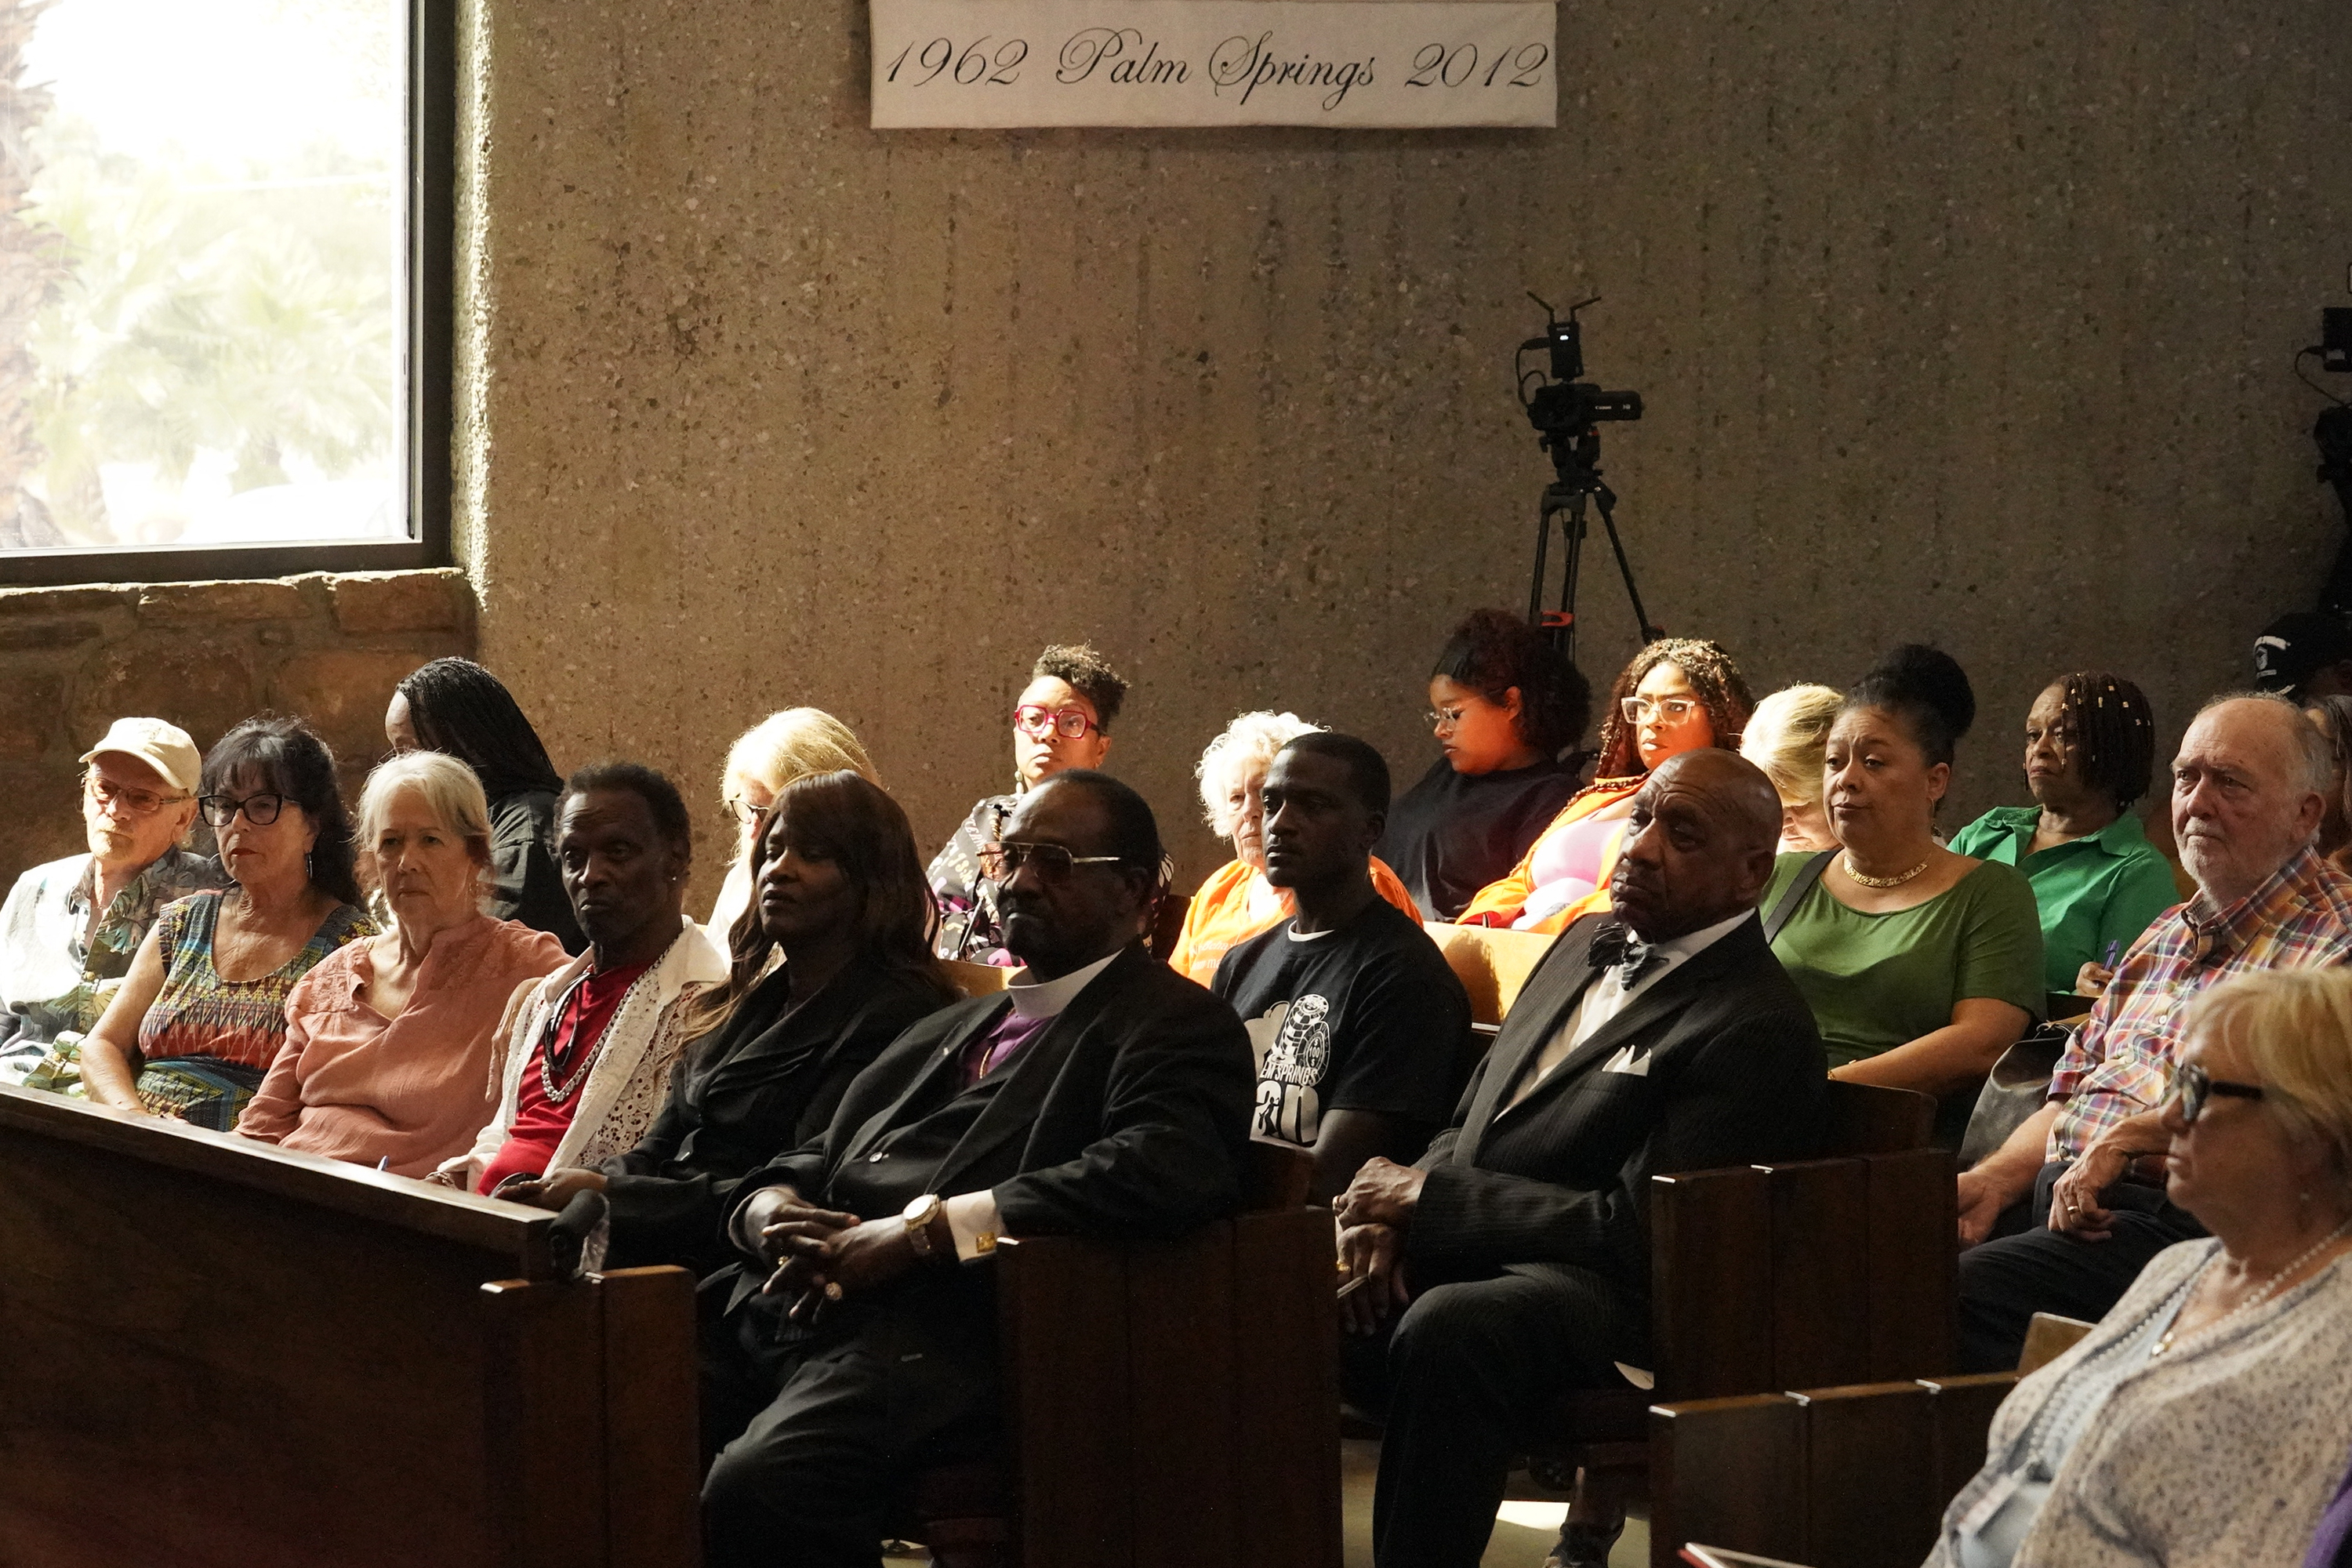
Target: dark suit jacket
point(1735, 1074)
point(766, 1082)
point(1128, 1116)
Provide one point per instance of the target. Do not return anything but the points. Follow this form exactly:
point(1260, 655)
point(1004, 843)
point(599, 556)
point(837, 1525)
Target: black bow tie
point(1615, 947)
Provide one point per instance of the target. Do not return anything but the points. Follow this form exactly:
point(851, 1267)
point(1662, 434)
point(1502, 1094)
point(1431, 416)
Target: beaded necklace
point(560, 1092)
point(2271, 1286)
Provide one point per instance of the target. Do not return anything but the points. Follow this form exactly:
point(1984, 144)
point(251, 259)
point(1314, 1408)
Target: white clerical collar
point(1047, 998)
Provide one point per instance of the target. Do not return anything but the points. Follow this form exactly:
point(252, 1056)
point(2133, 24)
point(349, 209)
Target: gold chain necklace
point(1894, 881)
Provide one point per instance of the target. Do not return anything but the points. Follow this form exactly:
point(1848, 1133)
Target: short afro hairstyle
point(660, 795)
point(1087, 673)
point(1367, 771)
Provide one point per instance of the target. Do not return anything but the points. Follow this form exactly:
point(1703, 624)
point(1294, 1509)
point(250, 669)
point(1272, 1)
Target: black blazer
point(1128, 1116)
point(769, 1079)
point(1735, 1074)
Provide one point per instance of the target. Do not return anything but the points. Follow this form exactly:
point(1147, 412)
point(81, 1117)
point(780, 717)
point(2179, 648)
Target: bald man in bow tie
point(1511, 1262)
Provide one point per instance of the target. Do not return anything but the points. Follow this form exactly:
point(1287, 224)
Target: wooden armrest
point(2047, 1338)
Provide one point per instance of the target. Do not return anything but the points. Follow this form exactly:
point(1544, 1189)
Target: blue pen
point(2114, 950)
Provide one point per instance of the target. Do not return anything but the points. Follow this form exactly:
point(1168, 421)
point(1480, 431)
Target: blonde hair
point(1247, 745)
point(1787, 735)
point(2295, 1026)
point(452, 794)
point(797, 743)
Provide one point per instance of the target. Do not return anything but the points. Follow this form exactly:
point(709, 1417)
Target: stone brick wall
point(203, 656)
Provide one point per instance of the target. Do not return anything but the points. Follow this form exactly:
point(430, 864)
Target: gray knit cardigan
point(2220, 1453)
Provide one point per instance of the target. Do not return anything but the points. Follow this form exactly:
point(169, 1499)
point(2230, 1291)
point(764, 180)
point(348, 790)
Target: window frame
point(432, 115)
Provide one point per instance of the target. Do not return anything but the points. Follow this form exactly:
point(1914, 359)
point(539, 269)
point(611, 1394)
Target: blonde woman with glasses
point(766, 760)
point(2201, 1424)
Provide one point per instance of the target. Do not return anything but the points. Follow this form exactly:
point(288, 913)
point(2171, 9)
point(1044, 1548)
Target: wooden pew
point(1492, 966)
point(1168, 1405)
point(217, 1352)
point(1848, 1476)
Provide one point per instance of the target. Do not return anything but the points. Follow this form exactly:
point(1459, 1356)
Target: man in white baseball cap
point(69, 928)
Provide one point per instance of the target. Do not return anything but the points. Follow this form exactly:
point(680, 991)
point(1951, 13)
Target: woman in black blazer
point(840, 895)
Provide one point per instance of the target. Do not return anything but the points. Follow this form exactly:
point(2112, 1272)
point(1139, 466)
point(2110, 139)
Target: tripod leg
point(1570, 568)
point(1608, 500)
point(1543, 547)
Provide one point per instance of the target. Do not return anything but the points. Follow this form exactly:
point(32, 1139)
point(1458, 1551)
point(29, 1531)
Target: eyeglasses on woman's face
point(260, 810)
point(123, 800)
point(1043, 724)
point(1657, 709)
point(2195, 1087)
point(999, 861)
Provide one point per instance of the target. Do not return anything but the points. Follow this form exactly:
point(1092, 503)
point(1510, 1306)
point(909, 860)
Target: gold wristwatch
point(919, 1216)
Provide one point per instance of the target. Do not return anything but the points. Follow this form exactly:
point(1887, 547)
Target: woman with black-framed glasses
point(2204, 1421)
point(202, 1013)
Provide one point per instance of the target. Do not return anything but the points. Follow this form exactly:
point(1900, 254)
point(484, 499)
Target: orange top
point(1237, 902)
point(1501, 901)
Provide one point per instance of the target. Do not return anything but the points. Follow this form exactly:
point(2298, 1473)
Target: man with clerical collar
point(1357, 1021)
point(1100, 1094)
point(1510, 1263)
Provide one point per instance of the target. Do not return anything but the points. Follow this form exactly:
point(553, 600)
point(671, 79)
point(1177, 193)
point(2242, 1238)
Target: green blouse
point(2096, 893)
point(1875, 982)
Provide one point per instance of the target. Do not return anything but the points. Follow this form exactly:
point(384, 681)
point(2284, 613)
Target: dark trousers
point(816, 1434)
point(1466, 1377)
point(2004, 1282)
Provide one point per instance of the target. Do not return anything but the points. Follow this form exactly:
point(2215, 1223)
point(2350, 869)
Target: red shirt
point(539, 1124)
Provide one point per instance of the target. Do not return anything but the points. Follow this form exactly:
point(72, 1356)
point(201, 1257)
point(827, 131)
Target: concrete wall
point(204, 656)
point(1969, 323)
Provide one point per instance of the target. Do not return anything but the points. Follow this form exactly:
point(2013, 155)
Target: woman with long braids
point(2090, 753)
point(835, 963)
point(1921, 966)
point(1677, 695)
point(454, 706)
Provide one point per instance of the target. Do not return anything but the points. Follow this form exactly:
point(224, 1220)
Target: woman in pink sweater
point(388, 1041)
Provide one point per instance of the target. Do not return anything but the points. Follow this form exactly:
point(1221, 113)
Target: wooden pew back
point(217, 1352)
point(1492, 966)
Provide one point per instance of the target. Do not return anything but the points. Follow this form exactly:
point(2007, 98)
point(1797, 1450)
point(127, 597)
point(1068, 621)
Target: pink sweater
point(353, 1085)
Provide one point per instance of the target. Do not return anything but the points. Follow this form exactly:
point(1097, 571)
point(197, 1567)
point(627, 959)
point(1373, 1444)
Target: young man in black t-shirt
point(1357, 1022)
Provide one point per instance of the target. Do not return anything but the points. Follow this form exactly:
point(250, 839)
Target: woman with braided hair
point(1677, 695)
point(2090, 753)
point(456, 707)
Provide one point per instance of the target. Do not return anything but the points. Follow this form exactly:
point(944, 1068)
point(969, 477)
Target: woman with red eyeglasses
point(1062, 720)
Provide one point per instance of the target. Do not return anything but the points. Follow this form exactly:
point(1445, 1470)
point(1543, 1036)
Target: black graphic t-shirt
point(1366, 1017)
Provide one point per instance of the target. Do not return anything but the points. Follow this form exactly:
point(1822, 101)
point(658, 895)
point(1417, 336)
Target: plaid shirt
point(2120, 1063)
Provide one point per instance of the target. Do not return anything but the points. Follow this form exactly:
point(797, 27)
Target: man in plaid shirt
point(2247, 796)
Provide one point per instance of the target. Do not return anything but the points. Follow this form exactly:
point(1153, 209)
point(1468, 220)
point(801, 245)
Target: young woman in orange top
point(1677, 695)
point(1237, 902)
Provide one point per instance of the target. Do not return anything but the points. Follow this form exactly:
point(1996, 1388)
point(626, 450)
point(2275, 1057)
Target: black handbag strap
point(1794, 893)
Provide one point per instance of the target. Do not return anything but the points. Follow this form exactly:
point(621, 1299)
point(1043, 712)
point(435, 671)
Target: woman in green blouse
point(2090, 752)
point(1921, 966)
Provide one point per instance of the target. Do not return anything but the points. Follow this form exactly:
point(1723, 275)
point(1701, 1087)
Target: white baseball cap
point(163, 747)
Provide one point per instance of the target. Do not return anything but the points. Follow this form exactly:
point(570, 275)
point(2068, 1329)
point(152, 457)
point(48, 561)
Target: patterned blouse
point(198, 1013)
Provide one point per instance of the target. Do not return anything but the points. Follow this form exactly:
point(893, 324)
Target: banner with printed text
point(1350, 63)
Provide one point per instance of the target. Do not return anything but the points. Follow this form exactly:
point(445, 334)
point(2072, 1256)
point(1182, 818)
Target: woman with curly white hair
point(1237, 902)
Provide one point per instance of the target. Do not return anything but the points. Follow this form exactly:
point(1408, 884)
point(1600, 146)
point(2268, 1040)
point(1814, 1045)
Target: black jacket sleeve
point(1752, 1091)
point(524, 883)
point(1175, 1132)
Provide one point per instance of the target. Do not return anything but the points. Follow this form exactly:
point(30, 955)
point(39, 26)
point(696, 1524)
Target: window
point(225, 270)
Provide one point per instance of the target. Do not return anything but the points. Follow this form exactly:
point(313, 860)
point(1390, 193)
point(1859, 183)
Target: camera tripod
point(1578, 469)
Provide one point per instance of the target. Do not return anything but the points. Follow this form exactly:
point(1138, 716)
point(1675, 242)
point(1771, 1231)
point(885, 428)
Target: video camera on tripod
point(1567, 411)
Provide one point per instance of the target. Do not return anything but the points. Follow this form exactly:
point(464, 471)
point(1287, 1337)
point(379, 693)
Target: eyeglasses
point(122, 799)
point(1039, 724)
point(745, 812)
point(2194, 1087)
point(1443, 718)
point(999, 861)
point(1666, 709)
point(260, 810)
